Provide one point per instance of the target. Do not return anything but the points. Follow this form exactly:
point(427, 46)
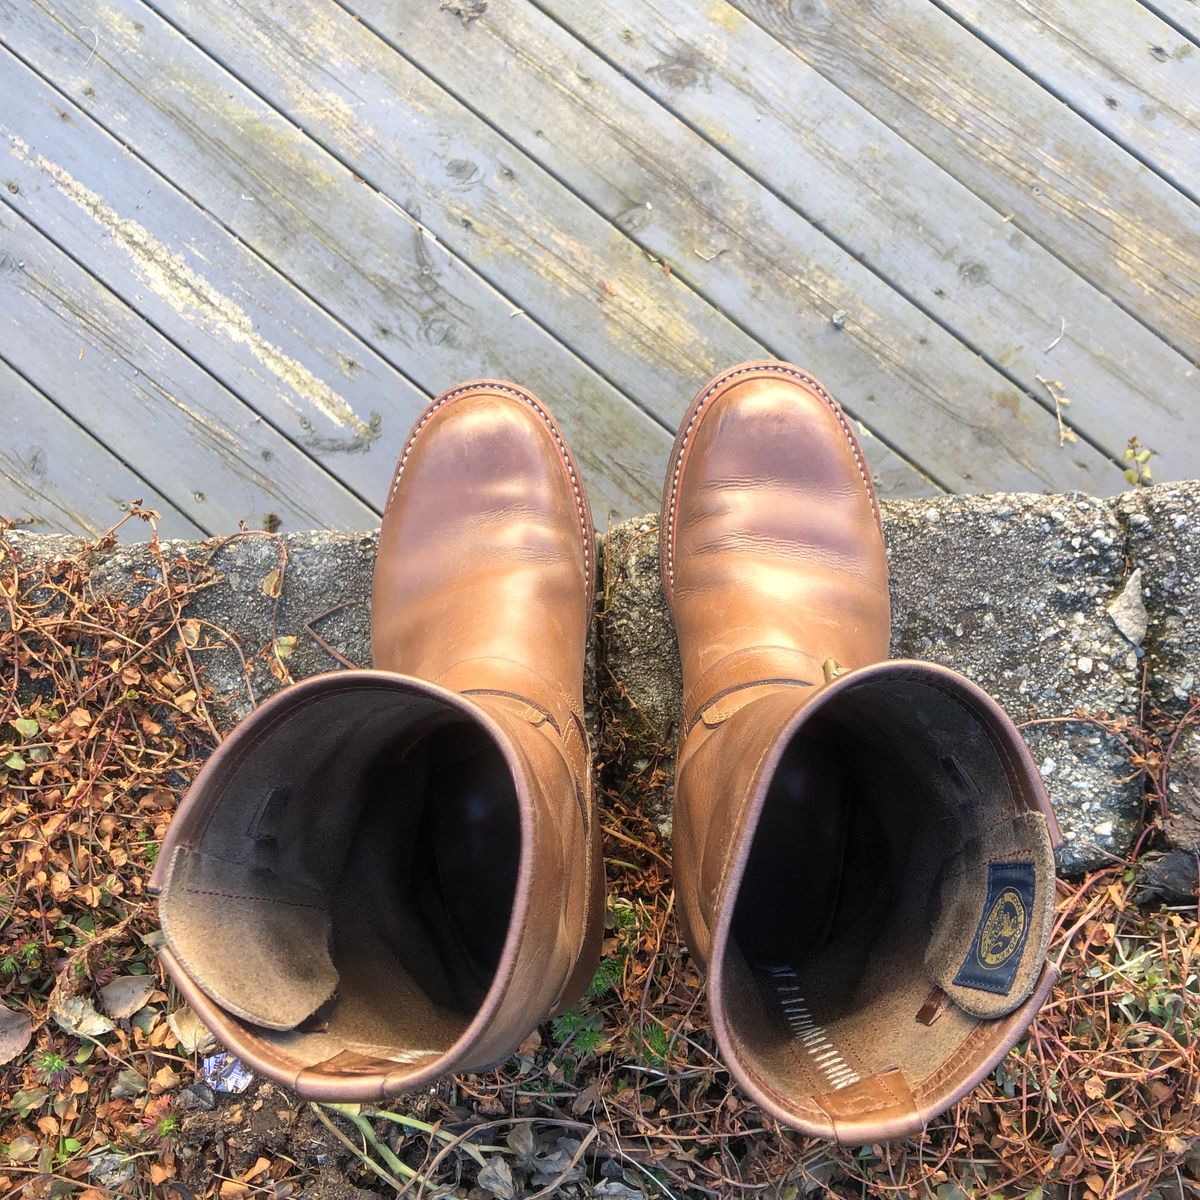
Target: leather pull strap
point(877, 1108)
point(735, 680)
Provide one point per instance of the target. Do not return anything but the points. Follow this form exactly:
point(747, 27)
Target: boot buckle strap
point(509, 680)
point(734, 681)
point(528, 709)
point(725, 703)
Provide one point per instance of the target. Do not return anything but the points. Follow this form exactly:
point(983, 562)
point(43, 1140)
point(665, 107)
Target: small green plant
point(655, 1045)
point(19, 958)
point(579, 1029)
point(1137, 457)
point(589, 1041)
point(68, 1148)
point(53, 1069)
point(607, 976)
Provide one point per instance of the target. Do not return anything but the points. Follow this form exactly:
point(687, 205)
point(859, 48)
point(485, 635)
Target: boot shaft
point(375, 881)
point(867, 868)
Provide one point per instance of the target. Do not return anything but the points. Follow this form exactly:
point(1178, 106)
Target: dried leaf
point(496, 1177)
point(76, 1015)
point(126, 994)
point(129, 1083)
point(558, 1165)
point(165, 1079)
point(25, 1101)
point(586, 1099)
point(192, 1034)
point(22, 1149)
point(520, 1140)
point(272, 583)
point(16, 1028)
point(261, 1165)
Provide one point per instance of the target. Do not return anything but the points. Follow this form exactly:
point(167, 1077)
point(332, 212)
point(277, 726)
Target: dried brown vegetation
point(103, 718)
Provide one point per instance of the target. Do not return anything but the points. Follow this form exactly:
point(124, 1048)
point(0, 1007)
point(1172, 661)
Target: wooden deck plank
point(560, 258)
point(1067, 186)
point(1116, 63)
point(1184, 15)
point(247, 325)
point(56, 478)
point(371, 265)
point(187, 435)
point(775, 116)
point(573, 272)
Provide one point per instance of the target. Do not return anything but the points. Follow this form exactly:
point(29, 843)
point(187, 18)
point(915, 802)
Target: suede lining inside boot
point(353, 886)
point(891, 857)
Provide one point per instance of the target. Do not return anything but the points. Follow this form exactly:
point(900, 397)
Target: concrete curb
point(1037, 598)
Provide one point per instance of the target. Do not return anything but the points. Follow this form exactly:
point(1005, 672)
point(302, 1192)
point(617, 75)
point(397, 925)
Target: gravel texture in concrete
point(1063, 606)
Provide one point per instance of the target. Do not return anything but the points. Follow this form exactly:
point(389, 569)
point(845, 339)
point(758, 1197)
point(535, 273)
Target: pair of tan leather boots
point(385, 876)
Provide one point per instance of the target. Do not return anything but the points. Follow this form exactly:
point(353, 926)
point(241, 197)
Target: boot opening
point(898, 891)
point(352, 891)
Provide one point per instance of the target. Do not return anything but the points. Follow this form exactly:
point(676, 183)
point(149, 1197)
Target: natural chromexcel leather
point(862, 848)
point(386, 875)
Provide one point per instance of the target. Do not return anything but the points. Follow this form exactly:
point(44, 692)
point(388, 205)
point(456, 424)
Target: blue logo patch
point(995, 954)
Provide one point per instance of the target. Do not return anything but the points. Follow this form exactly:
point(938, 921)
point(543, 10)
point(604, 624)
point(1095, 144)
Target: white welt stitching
point(834, 407)
point(525, 398)
point(826, 1057)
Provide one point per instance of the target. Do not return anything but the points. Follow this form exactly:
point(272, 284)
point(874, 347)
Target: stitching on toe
point(720, 382)
point(525, 398)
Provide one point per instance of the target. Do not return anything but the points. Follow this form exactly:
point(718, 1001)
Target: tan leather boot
point(385, 876)
point(862, 849)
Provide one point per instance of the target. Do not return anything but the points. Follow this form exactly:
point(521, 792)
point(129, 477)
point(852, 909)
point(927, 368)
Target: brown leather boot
point(385, 876)
point(863, 849)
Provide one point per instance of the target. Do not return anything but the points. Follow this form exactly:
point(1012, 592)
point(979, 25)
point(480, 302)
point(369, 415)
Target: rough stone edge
point(1134, 513)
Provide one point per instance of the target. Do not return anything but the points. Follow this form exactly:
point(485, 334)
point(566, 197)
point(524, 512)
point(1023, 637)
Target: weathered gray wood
point(370, 264)
point(1183, 14)
point(56, 478)
point(593, 285)
point(998, 132)
point(1115, 62)
point(180, 429)
point(245, 323)
point(572, 271)
point(850, 174)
